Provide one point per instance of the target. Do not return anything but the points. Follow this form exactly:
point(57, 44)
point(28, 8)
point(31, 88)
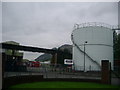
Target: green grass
point(59, 84)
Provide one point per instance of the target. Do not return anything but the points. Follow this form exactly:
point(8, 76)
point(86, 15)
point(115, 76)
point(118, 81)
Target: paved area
point(115, 81)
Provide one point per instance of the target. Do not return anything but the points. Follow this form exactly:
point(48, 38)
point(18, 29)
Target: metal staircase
point(84, 52)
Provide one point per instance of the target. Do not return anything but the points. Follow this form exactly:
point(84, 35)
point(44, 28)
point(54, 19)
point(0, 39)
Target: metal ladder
point(85, 53)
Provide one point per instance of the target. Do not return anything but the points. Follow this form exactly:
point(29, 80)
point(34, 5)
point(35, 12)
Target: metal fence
point(54, 71)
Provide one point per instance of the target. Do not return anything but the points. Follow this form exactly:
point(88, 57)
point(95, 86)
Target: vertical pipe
point(84, 57)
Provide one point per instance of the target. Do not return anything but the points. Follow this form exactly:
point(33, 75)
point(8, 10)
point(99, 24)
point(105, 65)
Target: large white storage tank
point(92, 42)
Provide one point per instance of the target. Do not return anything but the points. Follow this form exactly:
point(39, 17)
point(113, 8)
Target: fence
point(48, 72)
point(53, 71)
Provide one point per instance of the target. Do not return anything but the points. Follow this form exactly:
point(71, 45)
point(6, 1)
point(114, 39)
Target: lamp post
point(84, 54)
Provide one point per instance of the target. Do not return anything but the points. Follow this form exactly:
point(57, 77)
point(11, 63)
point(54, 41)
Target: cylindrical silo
point(92, 42)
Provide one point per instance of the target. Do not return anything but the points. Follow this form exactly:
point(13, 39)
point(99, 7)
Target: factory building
point(11, 58)
point(92, 42)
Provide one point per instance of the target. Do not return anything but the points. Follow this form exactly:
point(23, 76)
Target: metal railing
point(94, 24)
point(51, 71)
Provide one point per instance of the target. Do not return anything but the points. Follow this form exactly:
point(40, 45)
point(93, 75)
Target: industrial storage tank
point(92, 42)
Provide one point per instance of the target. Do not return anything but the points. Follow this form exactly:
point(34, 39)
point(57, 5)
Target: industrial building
point(11, 58)
point(92, 42)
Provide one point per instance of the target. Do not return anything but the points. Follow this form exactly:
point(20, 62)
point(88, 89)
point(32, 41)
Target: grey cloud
point(50, 24)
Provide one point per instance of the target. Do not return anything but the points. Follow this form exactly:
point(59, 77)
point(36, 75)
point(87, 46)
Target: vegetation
point(61, 84)
point(116, 46)
point(64, 54)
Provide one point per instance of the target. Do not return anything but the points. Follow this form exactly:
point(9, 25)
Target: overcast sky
point(50, 24)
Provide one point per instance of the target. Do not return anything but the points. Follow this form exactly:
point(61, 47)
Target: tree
point(63, 54)
point(116, 46)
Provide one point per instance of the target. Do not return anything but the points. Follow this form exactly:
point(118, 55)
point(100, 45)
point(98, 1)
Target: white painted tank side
point(99, 47)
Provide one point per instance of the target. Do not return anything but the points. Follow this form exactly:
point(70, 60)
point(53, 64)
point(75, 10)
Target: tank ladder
point(85, 52)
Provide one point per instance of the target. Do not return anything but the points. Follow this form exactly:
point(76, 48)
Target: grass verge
point(61, 84)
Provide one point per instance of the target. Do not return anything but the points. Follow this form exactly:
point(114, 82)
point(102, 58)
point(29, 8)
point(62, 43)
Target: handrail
point(93, 24)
